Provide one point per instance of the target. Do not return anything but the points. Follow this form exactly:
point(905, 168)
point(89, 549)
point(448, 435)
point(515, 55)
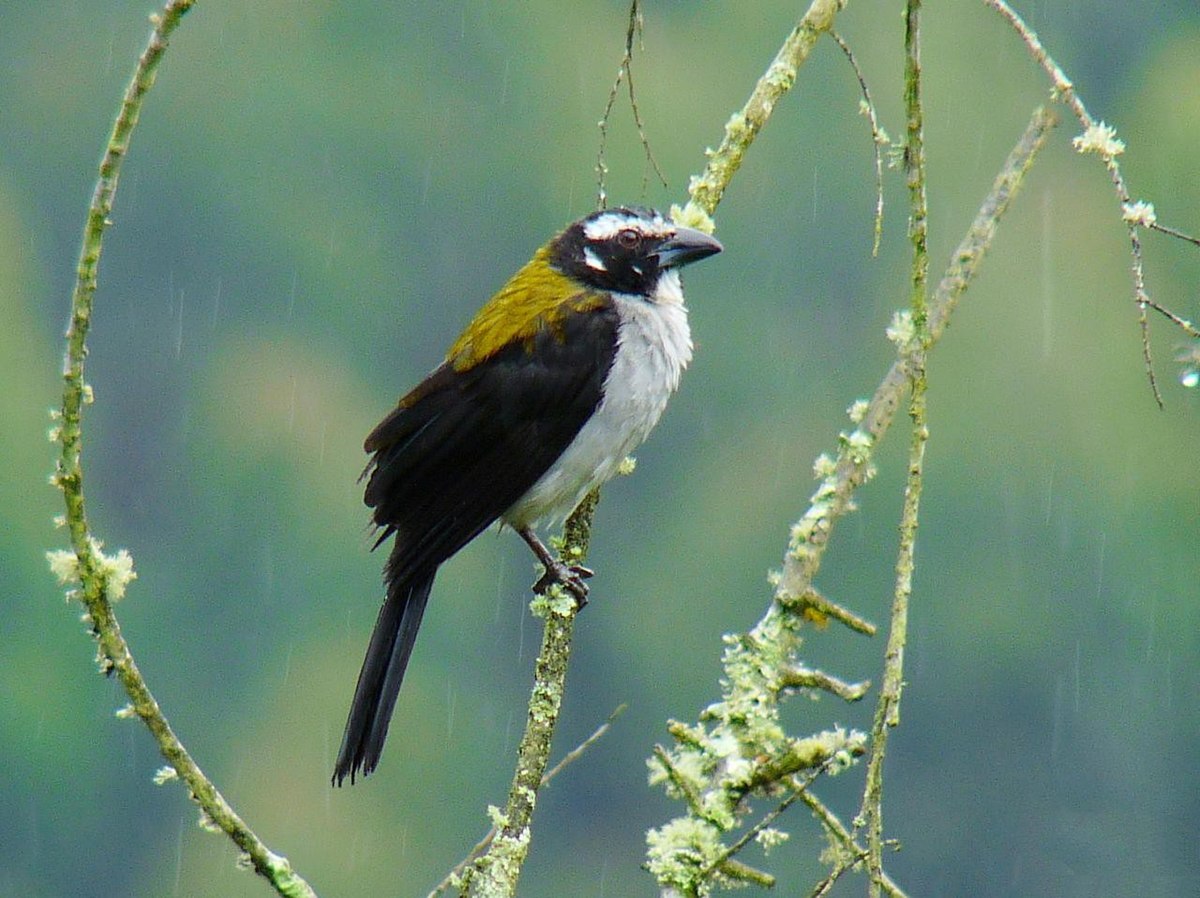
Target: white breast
point(654, 345)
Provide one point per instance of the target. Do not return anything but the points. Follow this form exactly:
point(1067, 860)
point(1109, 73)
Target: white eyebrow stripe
point(593, 261)
point(608, 225)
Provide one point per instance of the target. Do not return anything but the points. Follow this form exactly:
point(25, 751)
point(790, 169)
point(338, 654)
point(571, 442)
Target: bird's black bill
point(685, 246)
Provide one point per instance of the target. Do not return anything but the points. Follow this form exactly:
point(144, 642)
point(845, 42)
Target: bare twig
point(567, 760)
point(103, 578)
point(1099, 138)
point(1172, 232)
point(879, 137)
point(625, 73)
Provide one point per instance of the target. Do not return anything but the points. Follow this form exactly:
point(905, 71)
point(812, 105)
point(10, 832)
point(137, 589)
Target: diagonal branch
point(497, 870)
point(835, 495)
point(707, 189)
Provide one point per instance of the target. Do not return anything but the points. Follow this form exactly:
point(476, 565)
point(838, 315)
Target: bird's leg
point(571, 576)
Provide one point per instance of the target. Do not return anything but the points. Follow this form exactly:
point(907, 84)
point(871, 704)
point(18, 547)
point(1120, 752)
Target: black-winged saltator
point(558, 378)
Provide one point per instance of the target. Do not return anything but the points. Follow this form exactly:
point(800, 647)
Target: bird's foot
point(570, 576)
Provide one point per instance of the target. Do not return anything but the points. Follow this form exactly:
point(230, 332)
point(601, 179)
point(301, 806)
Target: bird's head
point(628, 250)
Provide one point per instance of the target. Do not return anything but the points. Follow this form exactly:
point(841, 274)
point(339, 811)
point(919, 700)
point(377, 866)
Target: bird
point(558, 377)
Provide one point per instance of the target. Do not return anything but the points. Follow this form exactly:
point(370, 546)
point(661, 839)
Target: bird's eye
point(629, 238)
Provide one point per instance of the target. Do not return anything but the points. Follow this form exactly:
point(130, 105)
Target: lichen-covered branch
point(707, 188)
point(738, 745)
point(846, 474)
point(496, 872)
point(842, 475)
point(102, 578)
point(887, 712)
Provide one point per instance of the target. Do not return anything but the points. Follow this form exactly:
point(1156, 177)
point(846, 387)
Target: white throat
point(654, 345)
point(669, 289)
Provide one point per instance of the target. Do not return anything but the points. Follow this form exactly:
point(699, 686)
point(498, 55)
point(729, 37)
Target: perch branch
point(497, 871)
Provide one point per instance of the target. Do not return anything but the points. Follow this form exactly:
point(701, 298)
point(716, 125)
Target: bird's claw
point(570, 576)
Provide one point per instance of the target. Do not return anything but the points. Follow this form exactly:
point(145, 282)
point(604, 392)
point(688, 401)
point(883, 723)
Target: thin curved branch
point(879, 137)
point(625, 73)
point(103, 578)
point(1100, 139)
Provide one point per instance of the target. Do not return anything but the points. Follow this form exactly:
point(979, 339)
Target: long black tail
point(381, 674)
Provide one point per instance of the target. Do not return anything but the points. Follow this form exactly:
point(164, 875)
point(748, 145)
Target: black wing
point(463, 446)
point(454, 455)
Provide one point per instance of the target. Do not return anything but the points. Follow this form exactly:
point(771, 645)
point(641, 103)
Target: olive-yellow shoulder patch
point(535, 299)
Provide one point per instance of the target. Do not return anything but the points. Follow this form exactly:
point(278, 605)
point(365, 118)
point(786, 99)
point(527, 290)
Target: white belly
point(654, 345)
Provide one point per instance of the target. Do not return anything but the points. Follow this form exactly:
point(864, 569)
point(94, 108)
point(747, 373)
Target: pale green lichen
point(858, 410)
point(678, 850)
point(902, 330)
point(689, 768)
point(207, 823)
point(63, 565)
point(780, 76)
point(737, 129)
point(554, 601)
point(824, 466)
point(856, 445)
point(165, 774)
point(739, 749)
point(116, 571)
point(1139, 213)
point(1099, 138)
point(769, 838)
point(692, 216)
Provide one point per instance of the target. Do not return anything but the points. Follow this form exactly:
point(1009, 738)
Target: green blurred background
point(319, 196)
